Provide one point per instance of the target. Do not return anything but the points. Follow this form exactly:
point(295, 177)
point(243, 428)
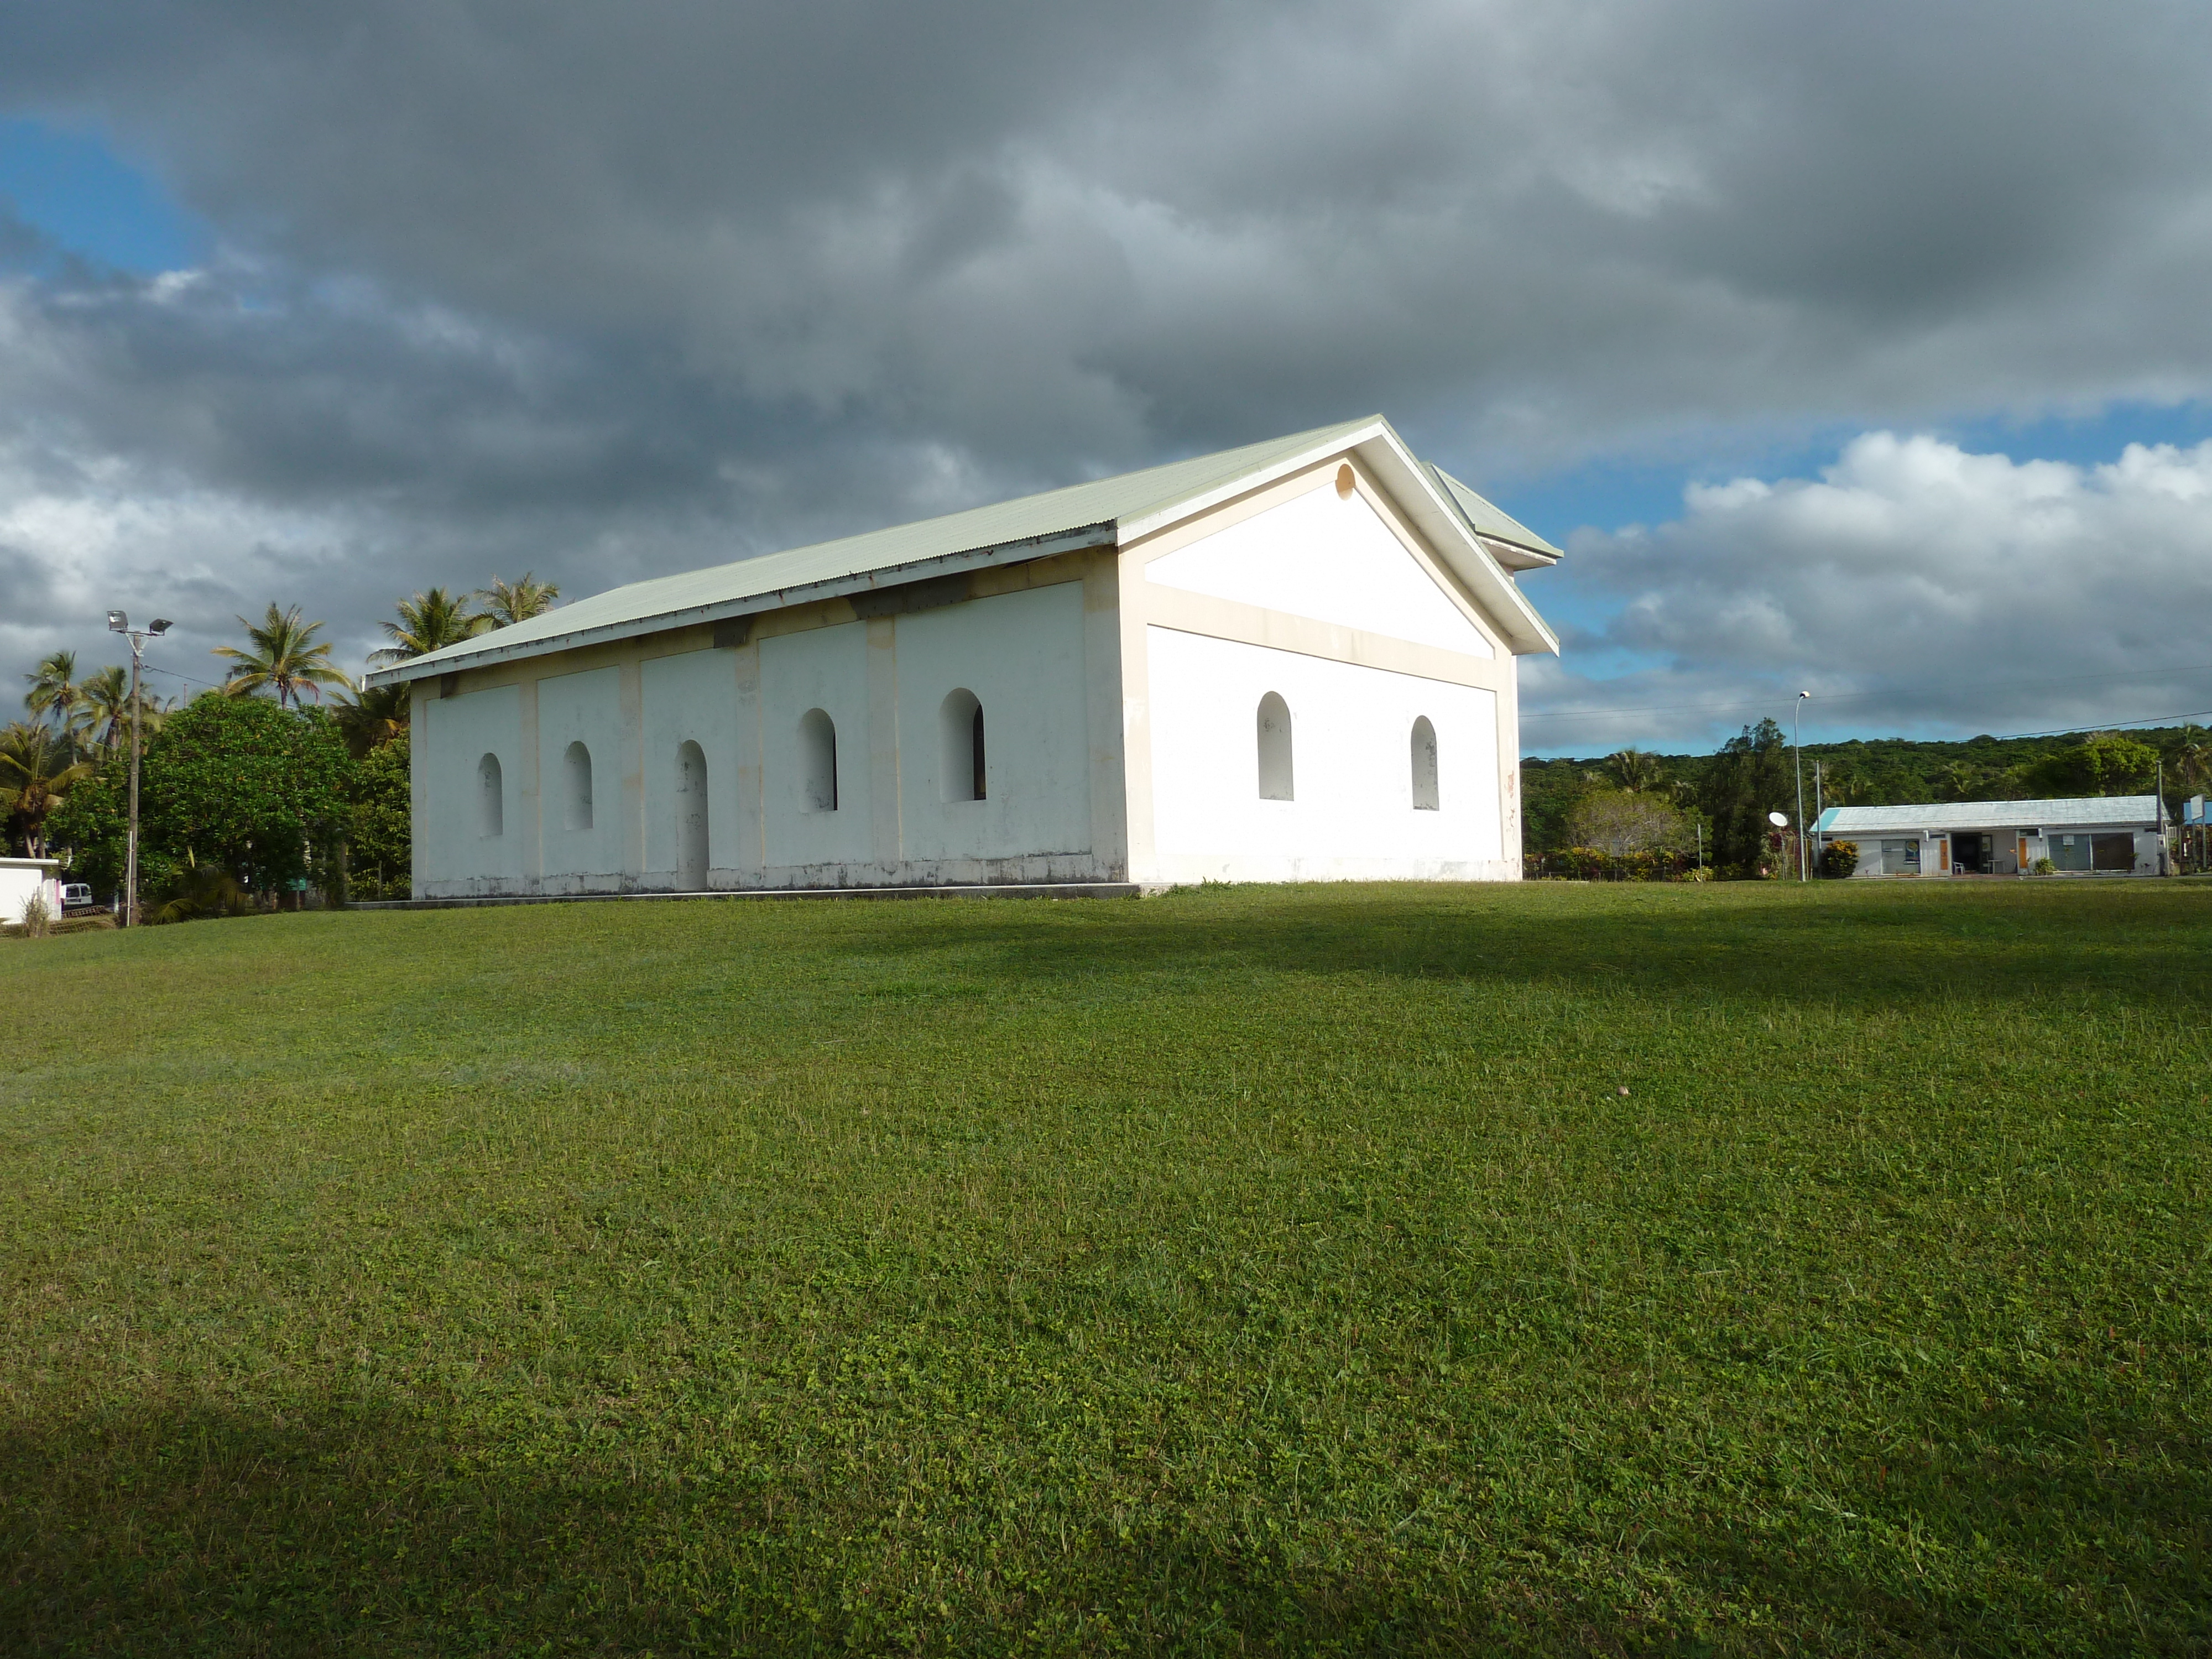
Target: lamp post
point(1797, 743)
point(119, 623)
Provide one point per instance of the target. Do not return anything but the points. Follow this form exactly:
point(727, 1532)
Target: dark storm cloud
point(603, 289)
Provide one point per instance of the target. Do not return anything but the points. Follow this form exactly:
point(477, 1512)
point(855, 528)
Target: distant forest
point(1888, 771)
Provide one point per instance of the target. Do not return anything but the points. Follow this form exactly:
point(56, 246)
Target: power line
point(155, 668)
point(1824, 698)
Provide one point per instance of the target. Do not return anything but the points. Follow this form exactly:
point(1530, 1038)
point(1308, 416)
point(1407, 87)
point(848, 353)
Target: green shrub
point(1839, 858)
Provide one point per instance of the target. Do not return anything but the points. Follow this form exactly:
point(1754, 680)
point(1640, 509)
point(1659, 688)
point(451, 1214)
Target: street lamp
point(119, 623)
point(1797, 743)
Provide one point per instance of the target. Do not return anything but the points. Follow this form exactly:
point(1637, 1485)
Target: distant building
point(1291, 661)
point(23, 880)
point(2108, 835)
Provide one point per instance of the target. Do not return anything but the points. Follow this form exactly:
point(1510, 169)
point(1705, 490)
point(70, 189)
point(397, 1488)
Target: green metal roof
point(1094, 514)
point(1490, 520)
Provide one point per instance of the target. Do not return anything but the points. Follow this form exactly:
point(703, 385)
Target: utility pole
point(119, 623)
point(1819, 811)
point(1796, 742)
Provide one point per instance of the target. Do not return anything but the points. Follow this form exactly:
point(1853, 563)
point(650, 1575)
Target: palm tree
point(283, 658)
point(431, 621)
point(54, 691)
point(107, 703)
point(369, 719)
point(37, 766)
point(2192, 759)
point(508, 603)
point(1633, 769)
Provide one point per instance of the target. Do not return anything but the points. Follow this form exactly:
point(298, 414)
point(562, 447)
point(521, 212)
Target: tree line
point(253, 794)
point(1633, 804)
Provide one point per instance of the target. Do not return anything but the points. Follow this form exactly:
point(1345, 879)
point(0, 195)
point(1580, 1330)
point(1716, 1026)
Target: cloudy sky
point(1865, 348)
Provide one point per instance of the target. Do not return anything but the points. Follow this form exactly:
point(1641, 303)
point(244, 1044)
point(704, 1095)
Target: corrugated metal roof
point(1092, 515)
point(1486, 518)
point(2083, 812)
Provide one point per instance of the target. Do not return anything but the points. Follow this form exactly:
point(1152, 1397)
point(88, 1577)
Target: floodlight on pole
point(1796, 742)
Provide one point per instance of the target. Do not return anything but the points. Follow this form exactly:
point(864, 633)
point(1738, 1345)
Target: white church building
point(1292, 661)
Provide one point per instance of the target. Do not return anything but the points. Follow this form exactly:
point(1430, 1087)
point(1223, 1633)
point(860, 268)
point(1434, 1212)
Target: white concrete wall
point(1330, 557)
point(20, 879)
point(1025, 653)
point(692, 697)
point(1328, 596)
point(583, 709)
point(460, 732)
point(1352, 816)
point(1022, 654)
point(824, 668)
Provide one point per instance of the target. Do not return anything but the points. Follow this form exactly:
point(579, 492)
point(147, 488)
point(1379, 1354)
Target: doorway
point(1972, 853)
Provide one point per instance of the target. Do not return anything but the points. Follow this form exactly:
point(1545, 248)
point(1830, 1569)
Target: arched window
point(1424, 765)
point(576, 777)
point(690, 817)
point(1276, 779)
point(962, 775)
point(817, 761)
point(491, 803)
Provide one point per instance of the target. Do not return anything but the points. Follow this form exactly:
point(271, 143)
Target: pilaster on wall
point(633, 764)
point(887, 841)
point(1104, 715)
point(527, 791)
point(418, 788)
point(1136, 717)
point(752, 862)
point(1509, 765)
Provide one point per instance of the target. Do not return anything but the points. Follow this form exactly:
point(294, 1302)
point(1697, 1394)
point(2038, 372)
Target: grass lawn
point(1543, 1268)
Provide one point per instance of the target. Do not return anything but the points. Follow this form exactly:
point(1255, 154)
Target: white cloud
point(1914, 586)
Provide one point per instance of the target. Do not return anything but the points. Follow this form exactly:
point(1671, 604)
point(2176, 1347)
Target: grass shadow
point(1679, 944)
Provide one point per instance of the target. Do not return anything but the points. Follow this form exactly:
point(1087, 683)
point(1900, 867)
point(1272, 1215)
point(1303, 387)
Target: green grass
point(1241, 1271)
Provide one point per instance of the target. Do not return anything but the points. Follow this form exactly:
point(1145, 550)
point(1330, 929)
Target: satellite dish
point(1779, 820)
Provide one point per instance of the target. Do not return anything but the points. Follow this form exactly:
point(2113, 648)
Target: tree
point(1620, 823)
point(506, 604)
point(1634, 770)
point(1748, 779)
point(431, 621)
point(2189, 763)
point(379, 827)
point(2104, 763)
point(91, 830)
point(38, 767)
point(246, 784)
point(54, 691)
point(107, 704)
point(283, 657)
point(369, 719)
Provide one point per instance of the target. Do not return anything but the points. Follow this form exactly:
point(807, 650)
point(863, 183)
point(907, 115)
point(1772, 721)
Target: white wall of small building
point(2007, 855)
point(23, 879)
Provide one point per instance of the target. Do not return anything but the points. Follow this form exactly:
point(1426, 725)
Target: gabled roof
point(2088, 811)
point(1105, 513)
point(1511, 543)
